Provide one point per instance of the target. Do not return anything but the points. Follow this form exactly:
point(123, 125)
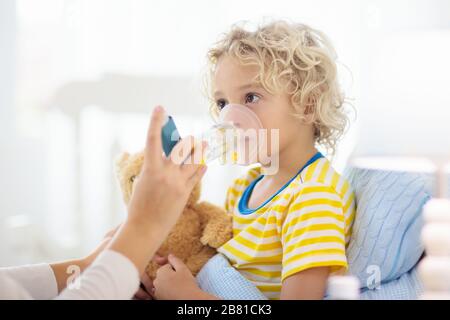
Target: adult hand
point(60, 269)
point(160, 193)
point(162, 188)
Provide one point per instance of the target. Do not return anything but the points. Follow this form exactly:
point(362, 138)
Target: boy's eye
point(221, 103)
point(251, 98)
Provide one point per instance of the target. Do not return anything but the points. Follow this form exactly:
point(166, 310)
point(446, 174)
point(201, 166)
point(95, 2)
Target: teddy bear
point(200, 230)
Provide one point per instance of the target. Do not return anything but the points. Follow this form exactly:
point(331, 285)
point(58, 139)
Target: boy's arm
point(309, 284)
point(313, 242)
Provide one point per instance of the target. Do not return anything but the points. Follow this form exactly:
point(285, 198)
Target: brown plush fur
point(200, 230)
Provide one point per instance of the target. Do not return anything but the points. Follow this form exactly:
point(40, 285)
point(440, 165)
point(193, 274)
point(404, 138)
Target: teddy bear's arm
point(218, 225)
point(198, 260)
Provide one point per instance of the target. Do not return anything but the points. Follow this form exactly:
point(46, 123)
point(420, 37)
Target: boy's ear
point(309, 111)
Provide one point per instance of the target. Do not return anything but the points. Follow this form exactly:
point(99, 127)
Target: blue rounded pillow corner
point(386, 232)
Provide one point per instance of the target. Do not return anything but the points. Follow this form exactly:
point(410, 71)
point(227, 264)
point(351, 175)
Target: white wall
point(404, 78)
point(21, 193)
point(7, 59)
point(7, 54)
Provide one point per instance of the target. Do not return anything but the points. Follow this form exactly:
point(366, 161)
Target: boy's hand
point(174, 281)
point(145, 291)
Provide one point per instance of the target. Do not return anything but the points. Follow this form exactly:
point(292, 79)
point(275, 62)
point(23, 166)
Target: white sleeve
point(112, 276)
point(10, 289)
point(28, 282)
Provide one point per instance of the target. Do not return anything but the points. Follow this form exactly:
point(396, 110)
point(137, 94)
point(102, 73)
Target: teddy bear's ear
point(121, 160)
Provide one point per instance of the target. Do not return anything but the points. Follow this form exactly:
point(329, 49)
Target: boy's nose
point(240, 116)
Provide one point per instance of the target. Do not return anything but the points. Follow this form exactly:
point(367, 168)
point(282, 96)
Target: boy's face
point(234, 84)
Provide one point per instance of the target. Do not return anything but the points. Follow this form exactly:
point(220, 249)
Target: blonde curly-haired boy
point(291, 228)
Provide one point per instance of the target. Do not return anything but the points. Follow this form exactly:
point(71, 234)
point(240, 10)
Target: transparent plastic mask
point(234, 137)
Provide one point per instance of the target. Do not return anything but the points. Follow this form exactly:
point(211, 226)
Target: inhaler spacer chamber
point(234, 137)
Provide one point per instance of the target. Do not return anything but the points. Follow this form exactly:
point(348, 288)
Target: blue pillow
point(407, 287)
point(386, 232)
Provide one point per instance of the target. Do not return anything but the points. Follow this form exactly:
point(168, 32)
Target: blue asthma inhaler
point(169, 135)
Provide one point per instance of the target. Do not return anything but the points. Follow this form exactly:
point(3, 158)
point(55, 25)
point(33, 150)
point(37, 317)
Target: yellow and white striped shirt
point(307, 224)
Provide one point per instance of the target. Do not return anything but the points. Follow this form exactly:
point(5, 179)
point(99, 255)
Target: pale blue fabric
point(407, 287)
point(219, 278)
point(386, 231)
point(385, 236)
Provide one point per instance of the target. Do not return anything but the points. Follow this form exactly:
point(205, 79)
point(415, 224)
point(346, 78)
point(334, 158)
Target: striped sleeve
point(228, 198)
point(313, 232)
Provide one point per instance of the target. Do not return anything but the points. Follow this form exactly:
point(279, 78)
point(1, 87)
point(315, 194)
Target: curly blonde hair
point(296, 59)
